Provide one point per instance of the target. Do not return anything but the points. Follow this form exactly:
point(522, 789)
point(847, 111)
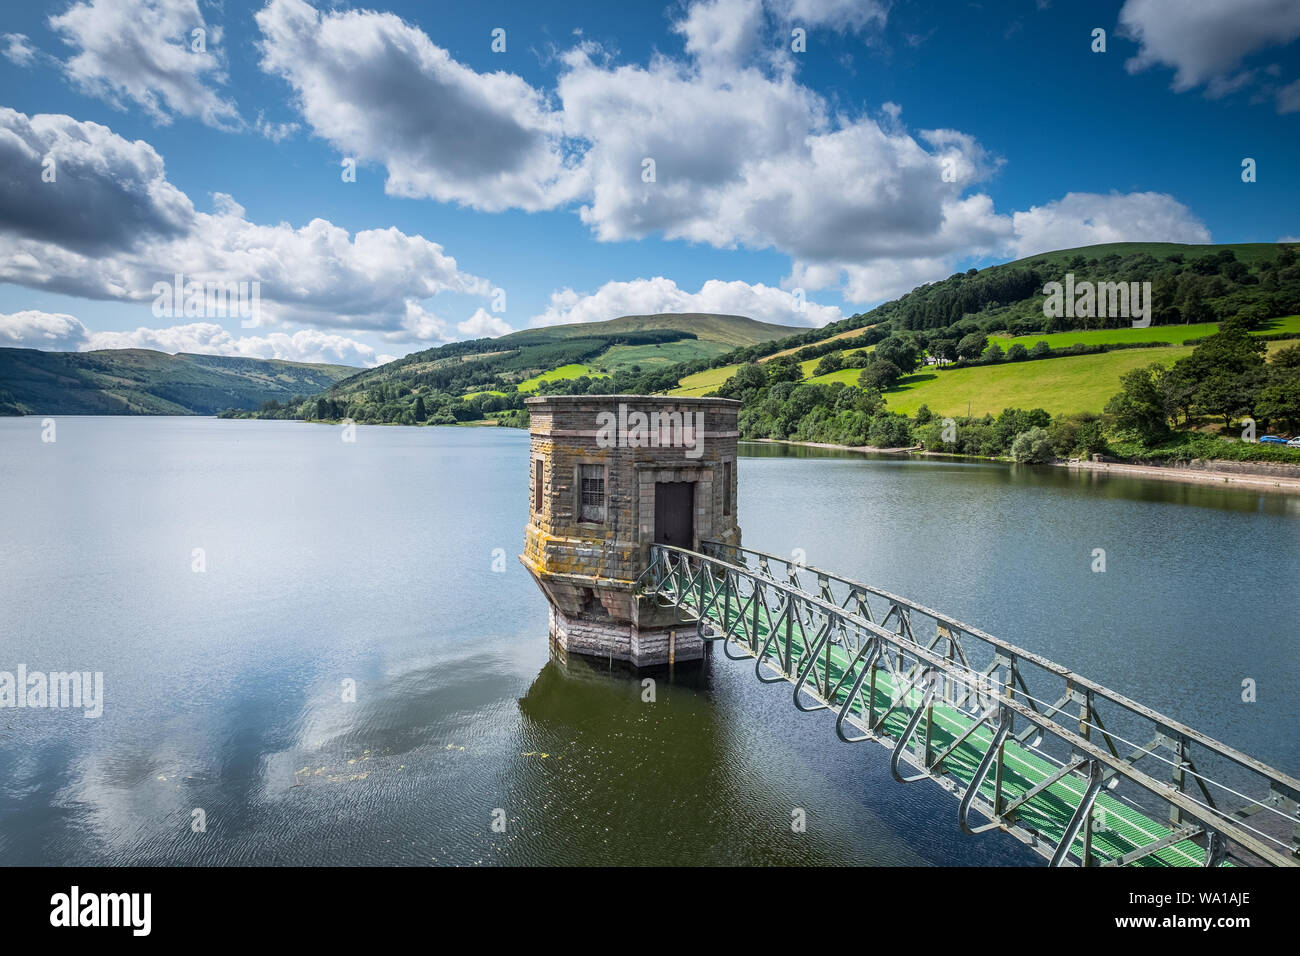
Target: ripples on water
point(373, 562)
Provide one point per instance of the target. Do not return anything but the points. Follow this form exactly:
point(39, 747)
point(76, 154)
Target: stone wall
point(587, 569)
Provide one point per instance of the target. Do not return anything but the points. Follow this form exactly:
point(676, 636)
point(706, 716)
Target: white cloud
point(766, 165)
point(1081, 219)
point(208, 338)
point(744, 154)
point(1205, 41)
point(890, 278)
point(57, 332)
point(143, 51)
point(17, 49)
point(32, 329)
point(1077, 219)
point(380, 90)
point(423, 328)
point(1288, 98)
point(721, 32)
point(841, 15)
point(275, 132)
point(652, 296)
point(107, 194)
point(483, 324)
point(419, 325)
point(111, 226)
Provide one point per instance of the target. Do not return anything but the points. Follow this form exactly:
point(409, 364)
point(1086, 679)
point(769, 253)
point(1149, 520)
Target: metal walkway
point(955, 706)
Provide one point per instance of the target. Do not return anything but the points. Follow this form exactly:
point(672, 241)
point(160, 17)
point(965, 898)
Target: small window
point(592, 478)
point(538, 465)
point(726, 487)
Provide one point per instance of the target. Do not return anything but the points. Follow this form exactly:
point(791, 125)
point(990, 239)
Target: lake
point(233, 580)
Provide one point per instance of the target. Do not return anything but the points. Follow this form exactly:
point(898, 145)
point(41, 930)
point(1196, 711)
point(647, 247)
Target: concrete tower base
point(640, 644)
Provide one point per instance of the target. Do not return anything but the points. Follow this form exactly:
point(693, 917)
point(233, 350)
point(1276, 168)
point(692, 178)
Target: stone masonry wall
point(587, 569)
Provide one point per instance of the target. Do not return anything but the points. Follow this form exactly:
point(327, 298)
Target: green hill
point(144, 382)
point(733, 330)
point(1251, 253)
point(493, 373)
point(963, 326)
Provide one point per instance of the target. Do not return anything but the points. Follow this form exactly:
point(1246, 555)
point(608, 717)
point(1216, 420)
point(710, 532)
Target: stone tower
point(608, 476)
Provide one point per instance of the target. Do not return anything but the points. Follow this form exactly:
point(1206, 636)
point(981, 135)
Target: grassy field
point(655, 356)
point(851, 333)
point(1070, 384)
point(564, 371)
point(705, 381)
point(1076, 383)
point(1174, 334)
point(849, 376)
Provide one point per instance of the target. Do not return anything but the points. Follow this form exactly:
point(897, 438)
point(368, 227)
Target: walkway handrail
point(694, 576)
point(713, 548)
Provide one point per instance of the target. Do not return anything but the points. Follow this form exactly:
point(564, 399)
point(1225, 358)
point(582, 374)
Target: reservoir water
point(233, 580)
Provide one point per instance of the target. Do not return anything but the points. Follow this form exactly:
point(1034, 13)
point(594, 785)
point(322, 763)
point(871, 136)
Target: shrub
point(1034, 445)
point(880, 374)
point(890, 431)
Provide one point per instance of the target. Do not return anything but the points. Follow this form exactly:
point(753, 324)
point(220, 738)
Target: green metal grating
point(840, 658)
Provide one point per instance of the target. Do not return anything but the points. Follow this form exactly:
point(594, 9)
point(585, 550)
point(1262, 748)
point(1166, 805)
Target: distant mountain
point(144, 382)
point(733, 330)
point(603, 347)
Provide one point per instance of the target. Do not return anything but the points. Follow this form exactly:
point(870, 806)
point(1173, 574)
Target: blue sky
point(795, 186)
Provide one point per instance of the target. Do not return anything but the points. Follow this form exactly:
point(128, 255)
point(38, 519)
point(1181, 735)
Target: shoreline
point(1200, 476)
point(1290, 485)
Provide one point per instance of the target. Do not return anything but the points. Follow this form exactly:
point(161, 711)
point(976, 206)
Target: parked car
point(1272, 440)
point(1294, 442)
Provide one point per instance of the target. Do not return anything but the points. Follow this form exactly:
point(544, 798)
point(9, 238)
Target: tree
point(1225, 394)
point(1092, 438)
point(890, 431)
point(859, 359)
point(1139, 407)
point(1286, 358)
point(972, 346)
point(831, 362)
point(783, 369)
point(1224, 373)
point(1034, 445)
point(1190, 299)
point(945, 350)
point(880, 374)
point(1040, 350)
point(993, 354)
point(1017, 353)
point(900, 351)
point(1279, 400)
point(869, 401)
point(747, 377)
point(420, 413)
